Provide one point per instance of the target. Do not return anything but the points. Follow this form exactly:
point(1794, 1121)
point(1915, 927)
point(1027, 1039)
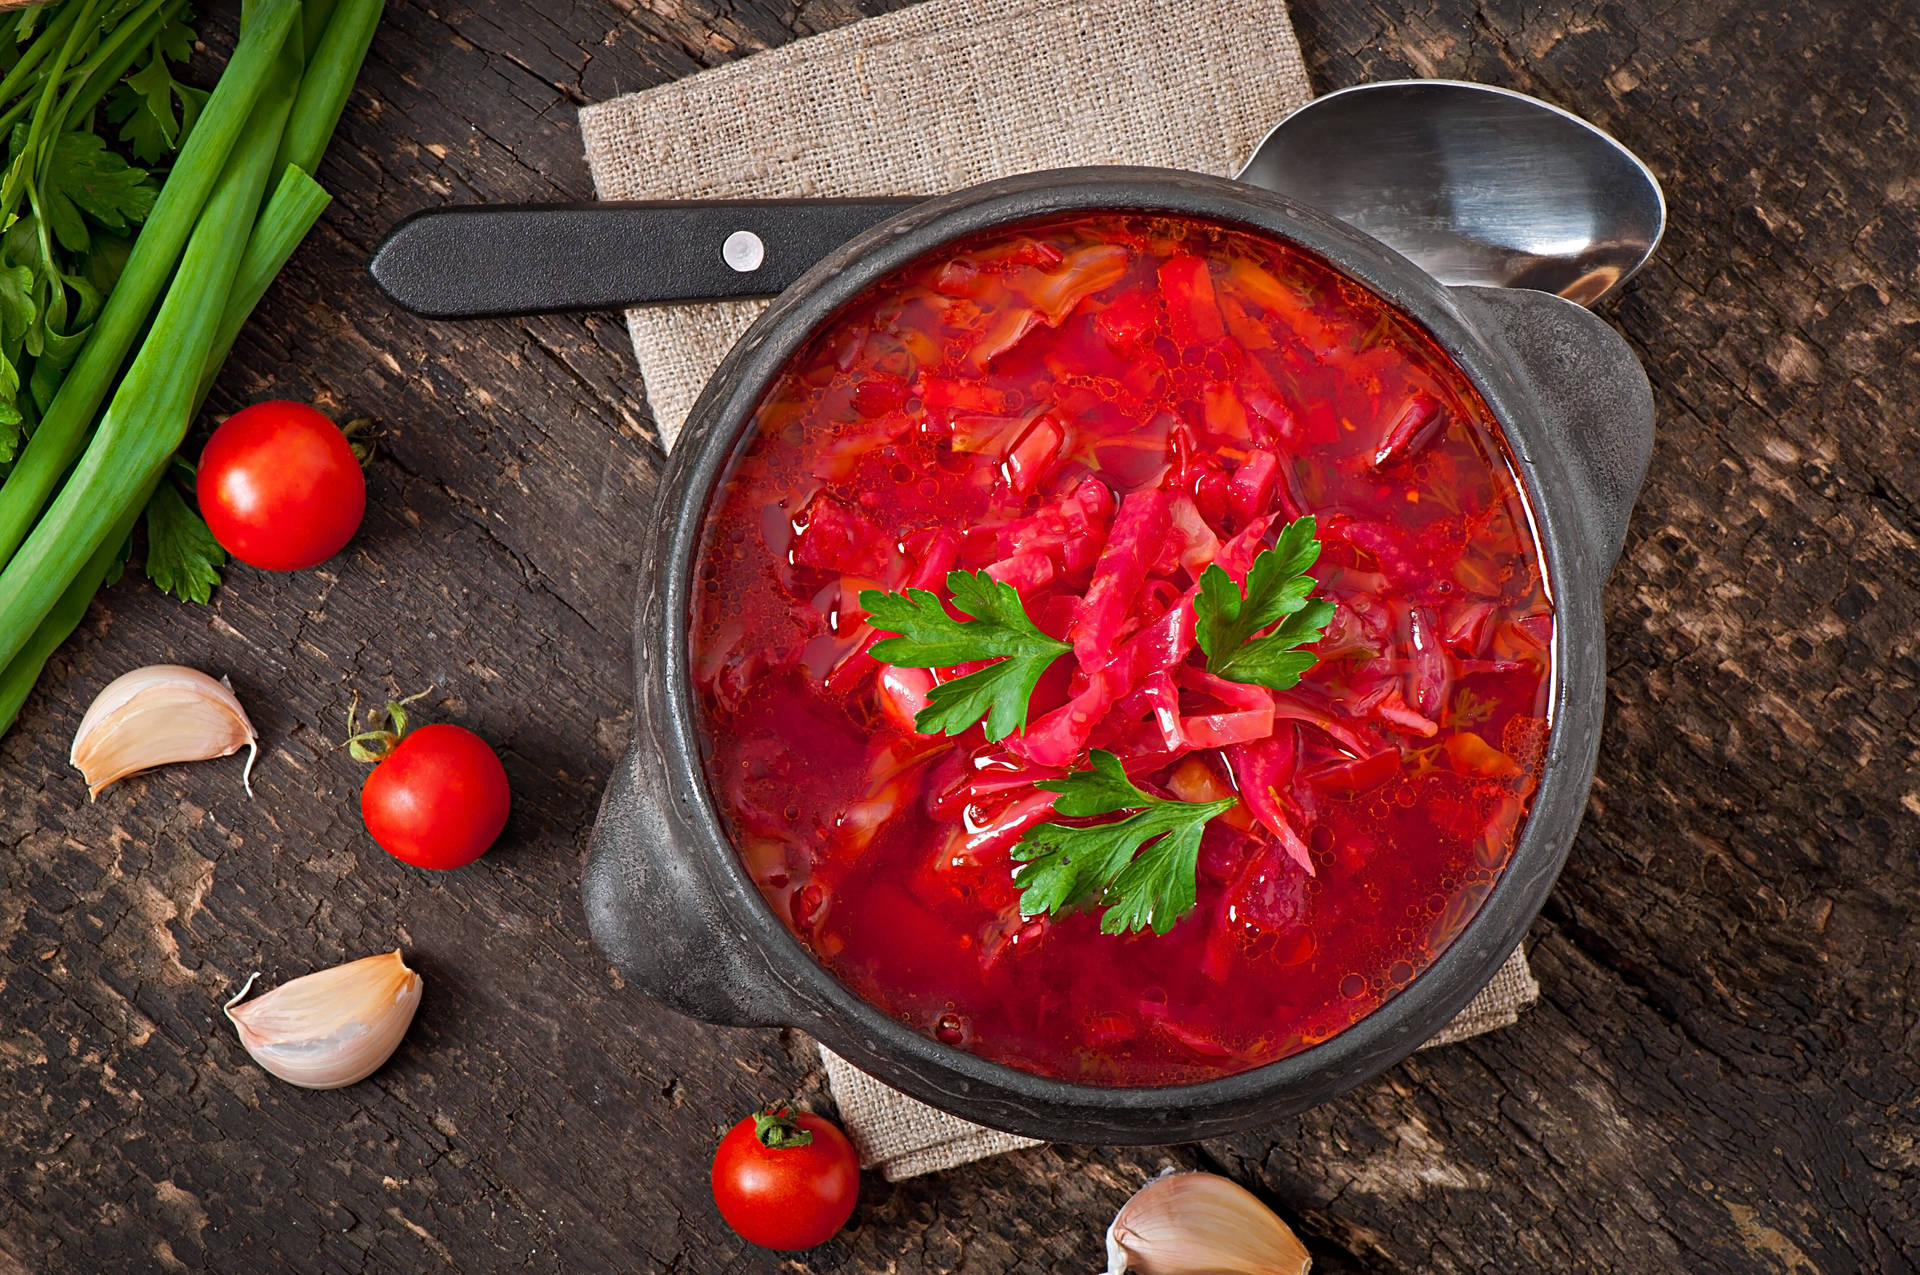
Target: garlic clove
point(157, 715)
point(1201, 1224)
point(329, 1029)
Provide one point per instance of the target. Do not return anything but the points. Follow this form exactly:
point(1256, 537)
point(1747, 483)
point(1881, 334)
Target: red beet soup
point(1093, 409)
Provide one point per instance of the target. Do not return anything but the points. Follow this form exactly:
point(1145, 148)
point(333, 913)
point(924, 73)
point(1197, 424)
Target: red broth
point(1036, 401)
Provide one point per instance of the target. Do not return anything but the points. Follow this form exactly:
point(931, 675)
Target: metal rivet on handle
point(743, 251)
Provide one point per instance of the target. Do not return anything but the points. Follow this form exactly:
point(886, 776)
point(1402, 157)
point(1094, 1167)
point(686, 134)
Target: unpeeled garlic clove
point(157, 715)
point(331, 1028)
point(1201, 1224)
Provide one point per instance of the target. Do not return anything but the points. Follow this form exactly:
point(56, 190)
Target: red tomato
point(438, 799)
point(785, 1181)
point(279, 486)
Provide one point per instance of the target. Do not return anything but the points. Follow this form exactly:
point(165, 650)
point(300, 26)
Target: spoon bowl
point(1474, 184)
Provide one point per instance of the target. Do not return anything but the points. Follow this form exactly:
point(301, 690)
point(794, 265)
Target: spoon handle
point(482, 261)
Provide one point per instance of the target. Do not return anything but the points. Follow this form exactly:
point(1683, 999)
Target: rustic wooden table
point(1724, 1073)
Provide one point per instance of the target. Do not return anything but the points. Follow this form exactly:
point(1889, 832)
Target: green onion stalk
point(229, 247)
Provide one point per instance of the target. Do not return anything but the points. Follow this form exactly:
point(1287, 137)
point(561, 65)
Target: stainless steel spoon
point(1475, 184)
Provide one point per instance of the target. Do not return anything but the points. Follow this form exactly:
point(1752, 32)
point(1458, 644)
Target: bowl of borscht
point(1119, 655)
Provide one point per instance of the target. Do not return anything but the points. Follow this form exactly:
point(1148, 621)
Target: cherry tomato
point(785, 1180)
point(438, 800)
point(279, 486)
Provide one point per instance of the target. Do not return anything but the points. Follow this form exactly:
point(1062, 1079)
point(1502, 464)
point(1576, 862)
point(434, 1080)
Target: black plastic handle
point(487, 260)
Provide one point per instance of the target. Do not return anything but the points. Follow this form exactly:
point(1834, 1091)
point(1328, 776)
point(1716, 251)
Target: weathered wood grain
point(1724, 1075)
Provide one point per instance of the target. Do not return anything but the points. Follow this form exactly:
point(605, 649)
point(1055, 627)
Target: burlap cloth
point(934, 97)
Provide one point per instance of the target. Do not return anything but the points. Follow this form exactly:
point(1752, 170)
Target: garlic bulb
point(329, 1029)
point(159, 714)
point(1200, 1224)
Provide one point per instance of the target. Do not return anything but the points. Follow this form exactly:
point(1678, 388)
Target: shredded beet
point(1264, 769)
point(1094, 410)
point(1139, 529)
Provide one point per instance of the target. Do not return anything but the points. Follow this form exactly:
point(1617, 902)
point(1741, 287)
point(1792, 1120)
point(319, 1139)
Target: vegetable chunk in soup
point(1096, 411)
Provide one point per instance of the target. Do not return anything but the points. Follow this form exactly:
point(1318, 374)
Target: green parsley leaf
point(100, 272)
point(12, 423)
point(1142, 867)
point(91, 299)
point(142, 104)
point(118, 566)
point(17, 307)
point(41, 303)
point(997, 630)
point(58, 350)
point(182, 556)
point(1277, 589)
point(143, 107)
point(175, 41)
point(86, 177)
point(1468, 709)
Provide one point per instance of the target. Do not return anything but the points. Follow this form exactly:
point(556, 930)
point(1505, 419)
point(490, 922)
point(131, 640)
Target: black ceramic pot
point(668, 898)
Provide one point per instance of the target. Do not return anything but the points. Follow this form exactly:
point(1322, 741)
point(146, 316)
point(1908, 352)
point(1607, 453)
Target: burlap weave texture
point(927, 100)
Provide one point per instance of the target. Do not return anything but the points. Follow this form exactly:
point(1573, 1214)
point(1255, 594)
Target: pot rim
point(815, 998)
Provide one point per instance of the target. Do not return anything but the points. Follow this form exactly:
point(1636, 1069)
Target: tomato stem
point(360, 440)
point(778, 1128)
point(375, 744)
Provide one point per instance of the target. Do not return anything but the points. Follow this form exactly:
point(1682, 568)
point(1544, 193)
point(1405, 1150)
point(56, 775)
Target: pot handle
point(652, 910)
point(1595, 404)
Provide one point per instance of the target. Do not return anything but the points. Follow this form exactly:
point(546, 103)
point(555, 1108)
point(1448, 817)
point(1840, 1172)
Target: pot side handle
point(653, 914)
point(1596, 406)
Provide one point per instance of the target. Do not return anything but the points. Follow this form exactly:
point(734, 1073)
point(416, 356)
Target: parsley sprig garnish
point(997, 629)
point(1141, 867)
point(1277, 589)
